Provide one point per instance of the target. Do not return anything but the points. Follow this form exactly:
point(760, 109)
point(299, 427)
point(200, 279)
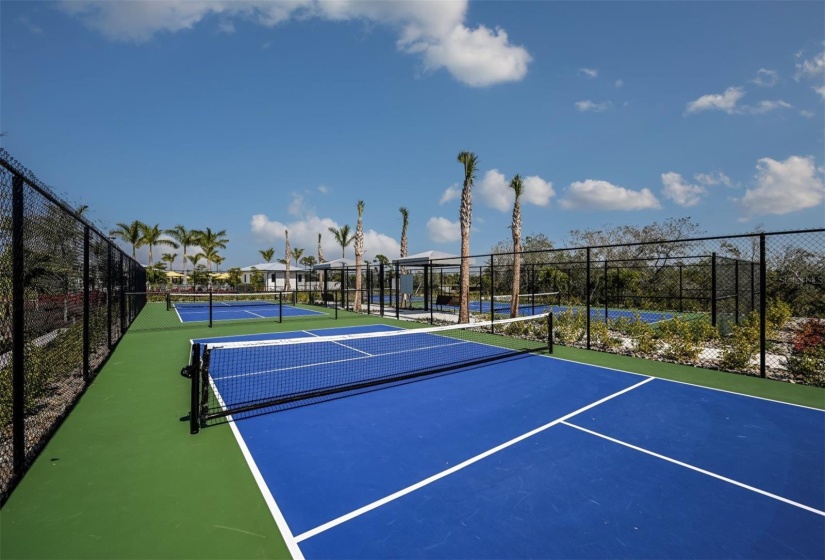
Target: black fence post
point(397, 290)
point(122, 277)
point(381, 288)
point(550, 332)
point(681, 291)
point(109, 249)
point(606, 312)
point(18, 329)
point(86, 338)
point(587, 296)
point(763, 304)
point(492, 295)
point(713, 289)
point(281, 307)
point(210, 307)
point(736, 293)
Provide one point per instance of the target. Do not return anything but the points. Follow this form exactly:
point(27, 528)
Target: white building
point(274, 275)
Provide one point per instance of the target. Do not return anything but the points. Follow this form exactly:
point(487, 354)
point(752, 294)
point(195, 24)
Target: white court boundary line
point(697, 469)
point(403, 492)
point(275, 511)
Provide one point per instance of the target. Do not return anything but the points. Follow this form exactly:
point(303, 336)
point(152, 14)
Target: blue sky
point(256, 117)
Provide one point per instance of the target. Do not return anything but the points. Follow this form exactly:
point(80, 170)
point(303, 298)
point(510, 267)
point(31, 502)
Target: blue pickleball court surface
point(536, 457)
point(237, 310)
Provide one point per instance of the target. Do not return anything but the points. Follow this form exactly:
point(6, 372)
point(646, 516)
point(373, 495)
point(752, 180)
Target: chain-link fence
point(752, 304)
point(68, 294)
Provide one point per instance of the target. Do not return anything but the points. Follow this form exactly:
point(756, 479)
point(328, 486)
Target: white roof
point(437, 258)
point(336, 263)
point(272, 267)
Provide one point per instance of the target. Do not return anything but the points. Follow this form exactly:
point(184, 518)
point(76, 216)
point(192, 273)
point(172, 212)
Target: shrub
point(777, 314)
point(643, 337)
point(807, 359)
point(569, 327)
point(683, 338)
point(742, 344)
point(601, 338)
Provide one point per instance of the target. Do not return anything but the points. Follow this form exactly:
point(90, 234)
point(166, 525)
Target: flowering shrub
point(807, 358)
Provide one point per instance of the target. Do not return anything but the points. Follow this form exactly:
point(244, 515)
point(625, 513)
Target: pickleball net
point(216, 300)
point(229, 378)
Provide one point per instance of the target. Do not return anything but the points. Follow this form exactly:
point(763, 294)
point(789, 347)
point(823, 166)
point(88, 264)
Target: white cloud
point(587, 105)
point(433, 30)
point(537, 191)
point(784, 186)
point(601, 195)
point(727, 102)
point(442, 230)
point(811, 68)
point(809, 114)
point(494, 191)
point(589, 72)
point(619, 83)
point(453, 192)
point(766, 78)
point(479, 58)
point(303, 233)
point(323, 189)
point(765, 107)
point(711, 179)
point(820, 90)
point(717, 102)
point(680, 191)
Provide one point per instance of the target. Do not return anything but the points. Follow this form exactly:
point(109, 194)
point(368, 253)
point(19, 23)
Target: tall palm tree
point(518, 187)
point(208, 239)
point(470, 162)
point(320, 259)
point(267, 254)
point(287, 252)
point(343, 237)
point(359, 254)
point(185, 238)
point(130, 233)
point(405, 222)
point(151, 237)
point(169, 258)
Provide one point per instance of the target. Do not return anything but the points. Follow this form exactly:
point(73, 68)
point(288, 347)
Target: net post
point(550, 332)
point(335, 303)
point(281, 307)
point(210, 307)
point(168, 301)
point(194, 412)
point(381, 287)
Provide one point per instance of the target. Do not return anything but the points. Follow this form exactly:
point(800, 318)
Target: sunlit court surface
point(527, 456)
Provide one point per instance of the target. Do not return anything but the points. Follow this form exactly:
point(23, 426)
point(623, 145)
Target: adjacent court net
point(230, 378)
point(200, 300)
point(540, 301)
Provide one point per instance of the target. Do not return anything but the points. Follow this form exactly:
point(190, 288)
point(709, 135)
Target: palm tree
point(359, 255)
point(297, 254)
point(169, 258)
point(287, 252)
point(518, 187)
point(405, 222)
point(267, 254)
point(320, 258)
point(151, 237)
point(212, 256)
point(130, 233)
point(208, 239)
point(185, 238)
point(342, 237)
point(470, 162)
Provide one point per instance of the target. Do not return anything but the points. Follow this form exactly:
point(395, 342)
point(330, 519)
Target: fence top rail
point(686, 240)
